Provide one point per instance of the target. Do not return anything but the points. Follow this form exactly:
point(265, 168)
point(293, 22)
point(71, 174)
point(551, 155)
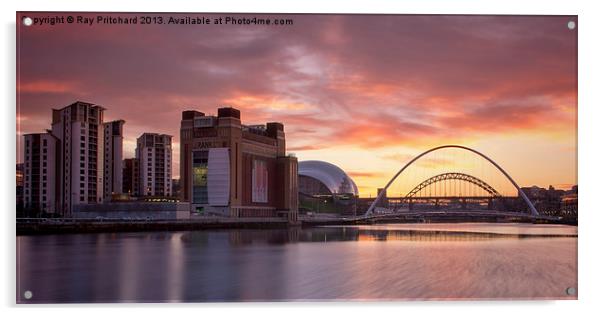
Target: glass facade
point(199, 177)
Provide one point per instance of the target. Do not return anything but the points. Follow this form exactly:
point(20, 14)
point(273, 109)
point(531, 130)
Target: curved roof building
point(320, 177)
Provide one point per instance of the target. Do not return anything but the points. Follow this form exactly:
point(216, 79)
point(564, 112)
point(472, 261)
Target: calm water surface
point(379, 262)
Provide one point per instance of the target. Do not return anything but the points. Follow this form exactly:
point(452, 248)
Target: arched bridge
point(471, 179)
point(454, 176)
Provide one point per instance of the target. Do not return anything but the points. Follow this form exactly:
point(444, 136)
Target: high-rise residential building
point(72, 153)
point(78, 127)
point(40, 180)
point(153, 152)
point(113, 158)
point(236, 170)
point(131, 176)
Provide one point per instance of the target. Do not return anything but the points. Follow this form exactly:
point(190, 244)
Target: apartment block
point(154, 154)
point(113, 158)
point(79, 129)
point(40, 180)
point(131, 176)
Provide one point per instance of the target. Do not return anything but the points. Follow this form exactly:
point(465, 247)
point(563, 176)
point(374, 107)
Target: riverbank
point(77, 226)
point(70, 226)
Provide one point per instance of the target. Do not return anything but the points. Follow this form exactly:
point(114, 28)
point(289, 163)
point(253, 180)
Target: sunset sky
point(364, 92)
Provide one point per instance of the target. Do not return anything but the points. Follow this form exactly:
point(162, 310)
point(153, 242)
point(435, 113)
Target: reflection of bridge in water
point(451, 195)
point(246, 237)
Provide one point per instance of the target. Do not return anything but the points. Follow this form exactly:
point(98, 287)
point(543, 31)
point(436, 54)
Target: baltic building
point(237, 170)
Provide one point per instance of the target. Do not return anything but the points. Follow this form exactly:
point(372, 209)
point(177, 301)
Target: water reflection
point(288, 264)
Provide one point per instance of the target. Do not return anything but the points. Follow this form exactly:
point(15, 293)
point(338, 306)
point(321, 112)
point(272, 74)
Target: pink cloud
point(353, 80)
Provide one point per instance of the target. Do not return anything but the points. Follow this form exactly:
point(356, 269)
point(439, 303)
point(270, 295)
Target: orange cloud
point(45, 86)
point(365, 174)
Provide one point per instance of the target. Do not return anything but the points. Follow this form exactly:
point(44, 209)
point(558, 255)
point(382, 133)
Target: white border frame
point(590, 267)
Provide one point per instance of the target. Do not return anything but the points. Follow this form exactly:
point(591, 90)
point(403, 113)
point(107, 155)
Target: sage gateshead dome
point(323, 178)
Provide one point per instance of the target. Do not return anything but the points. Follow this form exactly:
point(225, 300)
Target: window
point(259, 181)
point(199, 177)
point(83, 138)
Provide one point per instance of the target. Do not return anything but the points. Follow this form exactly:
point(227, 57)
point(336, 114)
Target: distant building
point(551, 201)
point(320, 177)
point(175, 187)
point(131, 176)
point(153, 153)
point(232, 169)
point(113, 158)
point(326, 188)
point(40, 178)
point(384, 201)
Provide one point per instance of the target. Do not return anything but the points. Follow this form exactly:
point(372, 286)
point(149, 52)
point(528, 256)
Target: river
point(377, 262)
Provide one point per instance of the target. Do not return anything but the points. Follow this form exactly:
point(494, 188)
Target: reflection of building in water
point(418, 235)
point(326, 188)
point(246, 237)
point(243, 237)
point(231, 169)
